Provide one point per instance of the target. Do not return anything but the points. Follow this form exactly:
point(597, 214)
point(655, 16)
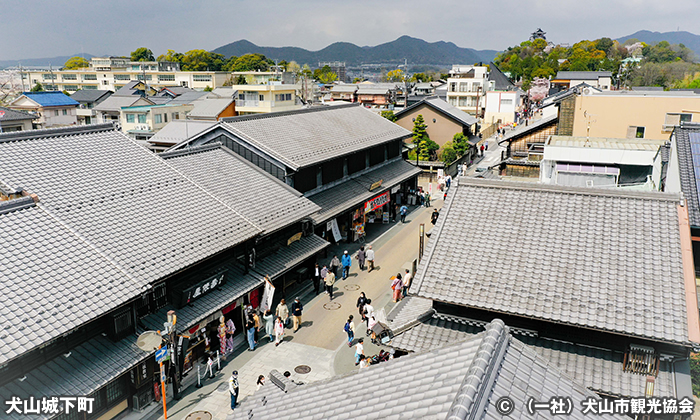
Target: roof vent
point(640, 359)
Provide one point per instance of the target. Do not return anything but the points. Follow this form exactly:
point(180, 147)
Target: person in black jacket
point(434, 216)
point(297, 307)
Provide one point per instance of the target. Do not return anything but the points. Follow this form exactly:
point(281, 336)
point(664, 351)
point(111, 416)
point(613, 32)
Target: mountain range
point(688, 39)
point(55, 62)
point(414, 50)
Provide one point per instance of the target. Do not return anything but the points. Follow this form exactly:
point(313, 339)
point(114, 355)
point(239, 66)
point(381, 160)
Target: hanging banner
point(336, 230)
point(268, 295)
point(377, 201)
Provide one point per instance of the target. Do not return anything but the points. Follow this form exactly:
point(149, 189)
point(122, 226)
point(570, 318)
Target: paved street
point(321, 342)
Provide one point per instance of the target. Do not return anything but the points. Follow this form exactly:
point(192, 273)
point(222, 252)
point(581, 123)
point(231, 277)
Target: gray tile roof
point(455, 382)
point(14, 115)
point(522, 130)
point(348, 194)
point(576, 256)
point(110, 211)
point(582, 75)
point(180, 130)
point(600, 370)
point(687, 168)
point(187, 97)
point(90, 95)
point(444, 108)
point(89, 367)
point(210, 108)
point(287, 257)
point(115, 103)
point(262, 198)
point(310, 136)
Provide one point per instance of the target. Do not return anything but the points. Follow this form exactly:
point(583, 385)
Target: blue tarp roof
point(50, 98)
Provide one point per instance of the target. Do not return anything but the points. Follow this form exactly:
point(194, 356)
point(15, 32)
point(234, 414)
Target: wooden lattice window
point(642, 360)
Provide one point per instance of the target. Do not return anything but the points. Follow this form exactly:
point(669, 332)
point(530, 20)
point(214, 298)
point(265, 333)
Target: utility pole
point(174, 365)
point(405, 83)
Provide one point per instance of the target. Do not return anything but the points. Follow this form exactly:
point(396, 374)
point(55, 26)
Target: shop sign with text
point(377, 202)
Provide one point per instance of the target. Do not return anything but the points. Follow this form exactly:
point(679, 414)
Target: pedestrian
point(283, 312)
point(210, 367)
point(260, 382)
point(406, 282)
point(250, 331)
point(404, 212)
point(482, 149)
point(370, 258)
point(347, 261)
point(361, 258)
point(434, 216)
point(369, 311)
point(422, 199)
point(396, 210)
point(397, 287)
point(330, 281)
point(363, 362)
point(361, 301)
point(279, 331)
point(427, 199)
point(335, 264)
point(448, 181)
point(317, 279)
point(269, 324)
point(258, 326)
point(444, 197)
point(487, 145)
point(349, 328)
point(297, 307)
point(359, 351)
point(233, 388)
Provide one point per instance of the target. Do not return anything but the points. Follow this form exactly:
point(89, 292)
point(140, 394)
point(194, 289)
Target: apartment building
point(142, 122)
point(271, 97)
point(466, 86)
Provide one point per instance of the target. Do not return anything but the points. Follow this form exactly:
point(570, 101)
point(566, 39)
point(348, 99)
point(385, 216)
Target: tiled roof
point(90, 95)
point(600, 370)
point(346, 195)
point(115, 103)
point(50, 98)
point(688, 148)
point(309, 136)
point(444, 108)
point(454, 382)
point(178, 131)
point(501, 81)
point(582, 75)
point(522, 130)
point(262, 198)
point(287, 257)
point(344, 88)
point(586, 257)
point(210, 107)
point(110, 211)
point(14, 115)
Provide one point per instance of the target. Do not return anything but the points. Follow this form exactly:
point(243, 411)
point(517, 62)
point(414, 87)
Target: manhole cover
point(352, 287)
point(331, 306)
point(199, 415)
point(303, 369)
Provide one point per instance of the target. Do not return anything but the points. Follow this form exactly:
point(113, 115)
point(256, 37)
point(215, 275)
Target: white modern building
point(466, 88)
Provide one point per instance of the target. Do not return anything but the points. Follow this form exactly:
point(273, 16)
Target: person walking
point(297, 307)
point(361, 301)
point(434, 216)
point(258, 326)
point(347, 261)
point(250, 331)
point(330, 281)
point(349, 328)
point(370, 258)
point(427, 199)
point(361, 258)
point(279, 331)
point(283, 312)
point(404, 212)
point(482, 149)
point(335, 264)
point(269, 324)
point(369, 311)
point(233, 388)
point(359, 351)
point(324, 273)
point(317, 279)
point(260, 382)
point(397, 287)
point(406, 282)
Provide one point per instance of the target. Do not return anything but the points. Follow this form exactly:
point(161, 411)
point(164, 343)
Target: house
point(110, 109)
point(501, 99)
point(142, 121)
point(88, 99)
point(376, 95)
point(212, 109)
point(344, 92)
point(633, 114)
point(344, 158)
point(54, 109)
point(598, 79)
point(466, 87)
point(262, 99)
point(571, 273)
point(11, 120)
point(107, 210)
point(177, 131)
point(442, 119)
point(461, 380)
point(603, 162)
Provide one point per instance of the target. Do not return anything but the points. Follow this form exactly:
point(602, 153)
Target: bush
point(695, 373)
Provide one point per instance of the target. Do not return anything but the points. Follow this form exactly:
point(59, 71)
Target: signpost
point(161, 353)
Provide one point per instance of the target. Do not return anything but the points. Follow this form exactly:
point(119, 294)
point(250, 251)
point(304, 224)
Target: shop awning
point(75, 375)
point(288, 257)
point(352, 193)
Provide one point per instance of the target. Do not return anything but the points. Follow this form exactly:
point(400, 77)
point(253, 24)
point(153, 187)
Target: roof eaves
point(54, 132)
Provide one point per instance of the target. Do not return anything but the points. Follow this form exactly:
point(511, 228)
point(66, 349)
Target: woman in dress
point(279, 331)
point(269, 324)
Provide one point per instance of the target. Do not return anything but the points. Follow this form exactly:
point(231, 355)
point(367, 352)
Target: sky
point(38, 29)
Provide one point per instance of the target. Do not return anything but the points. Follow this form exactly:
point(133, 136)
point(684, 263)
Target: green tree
point(76, 63)
point(426, 147)
point(389, 115)
point(328, 77)
point(202, 60)
point(421, 78)
point(395, 76)
point(460, 143)
point(448, 153)
point(37, 88)
point(142, 54)
point(172, 56)
point(251, 62)
point(208, 89)
point(240, 80)
point(357, 80)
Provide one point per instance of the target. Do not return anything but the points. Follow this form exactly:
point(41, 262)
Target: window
point(130, 118)
point(56, 113)
point(157, 118)
point(142, 118)
point(464, 87)
point(115, 391)
point(319, 176)
point(453, 87)
point(201, 78)
point(105, 82)
point(165, 117)
point(634, 132)
point(48, 76)
point(674, 119)
point(241, 96)
point(176, 116)
point(166, 77)
point(69, 76)
point(89, 77)
point(71, 88)
point(141, 77)
point(122, 77)
point(65, 112)
point(261, 98)
point(283, 97)
point(506, 102)
point(453, 102)
point(90, 87)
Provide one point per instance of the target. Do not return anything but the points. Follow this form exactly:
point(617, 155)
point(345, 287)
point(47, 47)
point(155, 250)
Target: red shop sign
point(377, 202)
